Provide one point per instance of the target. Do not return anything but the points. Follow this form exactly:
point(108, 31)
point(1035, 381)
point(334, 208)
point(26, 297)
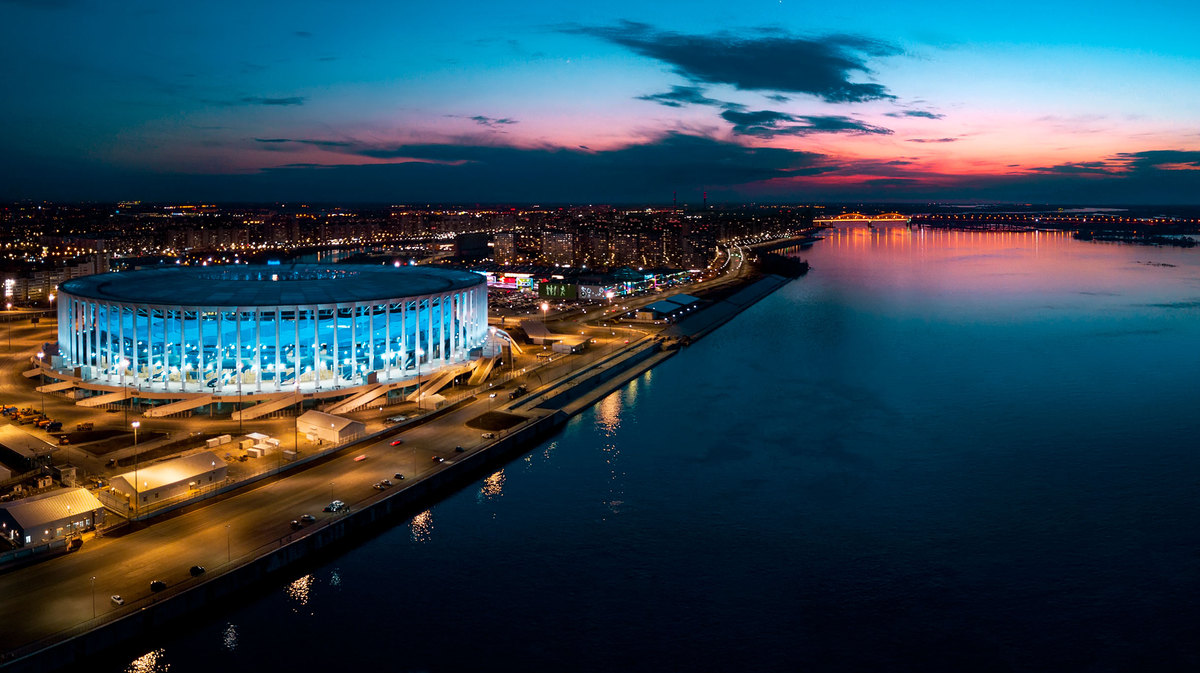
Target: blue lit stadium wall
point(268, 328)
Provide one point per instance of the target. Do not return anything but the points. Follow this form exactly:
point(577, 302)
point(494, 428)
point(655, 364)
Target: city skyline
point(770, 101)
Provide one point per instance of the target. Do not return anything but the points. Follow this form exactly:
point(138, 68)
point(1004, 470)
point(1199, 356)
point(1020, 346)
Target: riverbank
point(545, 419)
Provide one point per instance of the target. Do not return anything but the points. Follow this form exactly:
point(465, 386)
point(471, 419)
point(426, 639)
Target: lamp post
point(8, 325)
point(545, 307)
point(420, 354)
point(228, 546)
point(136, 492)
point(93, 596)
point(125, 368)
point(41, 392)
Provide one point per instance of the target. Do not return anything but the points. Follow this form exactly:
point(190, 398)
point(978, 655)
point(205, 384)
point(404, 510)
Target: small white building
point(171, 478)
point(328, 428)
point(50, 516)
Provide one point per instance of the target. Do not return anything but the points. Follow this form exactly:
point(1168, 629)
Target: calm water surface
point(938, 451)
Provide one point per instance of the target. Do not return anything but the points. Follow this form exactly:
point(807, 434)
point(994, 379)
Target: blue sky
point(617, 101)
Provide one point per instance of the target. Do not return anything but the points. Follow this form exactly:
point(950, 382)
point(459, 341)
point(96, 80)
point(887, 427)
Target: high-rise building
point(504, 247)
point(558, 247)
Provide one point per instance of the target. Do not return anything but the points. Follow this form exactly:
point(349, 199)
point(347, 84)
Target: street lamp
point(93, 596)
point(228, 547)
point(545, 307)
point(41, 392)
point(136, 492)
point(420, 354)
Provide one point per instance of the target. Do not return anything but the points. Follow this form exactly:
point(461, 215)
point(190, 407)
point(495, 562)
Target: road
point(50, 597)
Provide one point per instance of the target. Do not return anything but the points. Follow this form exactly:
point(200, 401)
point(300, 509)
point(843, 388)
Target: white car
point(488, 435)
point(117, 600)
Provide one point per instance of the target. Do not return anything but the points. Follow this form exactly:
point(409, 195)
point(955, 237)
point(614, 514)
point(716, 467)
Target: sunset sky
point(1069, 102)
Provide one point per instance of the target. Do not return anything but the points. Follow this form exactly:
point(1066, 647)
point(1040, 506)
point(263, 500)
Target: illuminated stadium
point(264, 329)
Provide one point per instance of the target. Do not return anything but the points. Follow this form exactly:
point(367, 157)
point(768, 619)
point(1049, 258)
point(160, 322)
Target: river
point(937, 451)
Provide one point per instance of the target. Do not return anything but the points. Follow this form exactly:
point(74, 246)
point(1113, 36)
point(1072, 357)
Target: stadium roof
point(268, 285)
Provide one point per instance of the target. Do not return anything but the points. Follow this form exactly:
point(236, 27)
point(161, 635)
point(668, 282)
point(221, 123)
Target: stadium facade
point(267, 328)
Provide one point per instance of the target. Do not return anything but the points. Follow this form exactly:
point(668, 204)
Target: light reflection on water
point(154, 661)
point(229, 639)
point(493, 486)
point(300, 590)
point(422, 527)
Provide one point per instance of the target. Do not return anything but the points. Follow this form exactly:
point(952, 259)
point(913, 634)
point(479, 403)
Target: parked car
point(117, 600)
point(158, 585)
point(459, 449)
point(307, 518)
point(295, 524)
point(397, 442)
point(360, 458)
point(196, 571)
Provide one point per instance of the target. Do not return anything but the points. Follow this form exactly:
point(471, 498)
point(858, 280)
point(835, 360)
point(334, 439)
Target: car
point(196, 571)
point(386, 482)
point(438, 459)
point(158, 585)
point(335, 506)
point(398, 475)
point(117, 600)
point(397, 419)
point(295, 524)
point(397, 442)
point(360, 458)
point(307, 518)
point(488, 435)
point(378, 486)
point(459, 449)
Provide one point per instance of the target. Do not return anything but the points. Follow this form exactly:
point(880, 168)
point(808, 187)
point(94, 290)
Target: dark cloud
point(305, 141)
point(933, 140)
point(492, 122)
point(770, 61)
point(679, 96)
point(771, 123)
point(1158, 158)
point(644, 172)
point(1078, 168)
point(258, 100)
point(921, 114)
